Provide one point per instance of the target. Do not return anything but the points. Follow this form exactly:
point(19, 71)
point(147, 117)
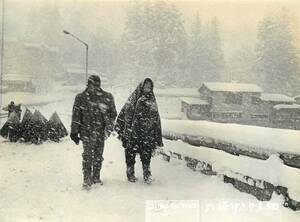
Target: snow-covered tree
point(154, 42)
point(206, 57)
point(196, 48)
point(277, 57)
point(214, 63)
point(241, 66)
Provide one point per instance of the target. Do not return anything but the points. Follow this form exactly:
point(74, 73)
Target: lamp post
point(86, 51)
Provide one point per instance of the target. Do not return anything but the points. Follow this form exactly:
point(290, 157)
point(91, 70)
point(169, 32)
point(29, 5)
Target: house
point(229, 102)
point(169, 100)
point(241, 103)
point(195, 108)
point(18, 83)
point(266, 103)
point(297, 99)
point(286, 116)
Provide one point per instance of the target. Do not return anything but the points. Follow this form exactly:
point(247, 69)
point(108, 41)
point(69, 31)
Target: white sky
point(238, 18)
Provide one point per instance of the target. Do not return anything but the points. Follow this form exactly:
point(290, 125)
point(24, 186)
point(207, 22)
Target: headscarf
point(124, 121)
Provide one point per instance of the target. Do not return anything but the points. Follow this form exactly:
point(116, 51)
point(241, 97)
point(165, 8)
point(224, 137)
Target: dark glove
point(75, 138)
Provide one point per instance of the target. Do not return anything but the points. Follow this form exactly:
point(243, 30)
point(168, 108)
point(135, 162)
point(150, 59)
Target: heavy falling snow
point(221, 105)
point(43, 182)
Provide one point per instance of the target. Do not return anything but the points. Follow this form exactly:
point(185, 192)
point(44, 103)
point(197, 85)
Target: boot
point(147, 174)
point(96, 176)
point(87, 175)
point(130, 174)
point(87, 181)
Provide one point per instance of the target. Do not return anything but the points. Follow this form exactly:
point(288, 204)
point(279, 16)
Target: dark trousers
point(145, 156)
point(92, 158)
point(130, 154)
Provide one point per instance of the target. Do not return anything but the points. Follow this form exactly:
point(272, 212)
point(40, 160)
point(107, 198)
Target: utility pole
point(2, 55)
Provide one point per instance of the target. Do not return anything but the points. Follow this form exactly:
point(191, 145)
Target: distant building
point(18, 83)
point(241, 103)
point(229, 101)
point(75, 75)
point(195, 108)
point(297, 99)
point(286, 115)
point(169, 103)
point(264, 106)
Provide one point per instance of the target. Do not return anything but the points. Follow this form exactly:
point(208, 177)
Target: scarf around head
point(126, 116)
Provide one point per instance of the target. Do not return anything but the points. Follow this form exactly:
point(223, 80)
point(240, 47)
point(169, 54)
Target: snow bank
point(263, 139)
point(271, 170)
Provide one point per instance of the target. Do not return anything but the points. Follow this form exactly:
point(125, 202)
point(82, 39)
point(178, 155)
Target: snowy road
point(43, 183)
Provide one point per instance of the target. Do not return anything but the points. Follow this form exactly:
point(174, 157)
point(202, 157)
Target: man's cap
point(94, 80)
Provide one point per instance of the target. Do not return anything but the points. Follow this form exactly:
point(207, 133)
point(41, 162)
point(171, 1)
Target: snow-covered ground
point(43, 183)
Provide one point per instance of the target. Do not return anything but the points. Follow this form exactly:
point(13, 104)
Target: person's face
point(147, 87)
point(92, 88)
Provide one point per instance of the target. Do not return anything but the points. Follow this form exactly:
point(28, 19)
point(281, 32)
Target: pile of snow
point(271, 170)
point(267, 140)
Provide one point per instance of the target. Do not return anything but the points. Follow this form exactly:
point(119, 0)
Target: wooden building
point(230, 102)
point(241, 103)
point(18, 83)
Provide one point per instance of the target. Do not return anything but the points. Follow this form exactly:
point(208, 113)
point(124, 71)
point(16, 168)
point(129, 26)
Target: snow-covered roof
point(273, 97)
point(232, 87)
point(297, 97)
point(287, 106)
point(177, 92)
point(193, 101)
point(17, 77)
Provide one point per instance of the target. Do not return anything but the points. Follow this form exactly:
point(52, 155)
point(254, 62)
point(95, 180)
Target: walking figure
point(93, 116)
point(139, 128)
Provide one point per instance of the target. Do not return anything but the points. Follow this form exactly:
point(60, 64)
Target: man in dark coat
point(139, 128)
point(93, 116)
point(13, 108)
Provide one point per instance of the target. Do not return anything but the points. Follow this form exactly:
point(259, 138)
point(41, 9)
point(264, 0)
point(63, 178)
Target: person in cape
point(139, 128)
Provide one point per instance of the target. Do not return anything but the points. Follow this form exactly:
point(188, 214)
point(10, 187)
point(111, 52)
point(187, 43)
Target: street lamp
point(87, 51)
